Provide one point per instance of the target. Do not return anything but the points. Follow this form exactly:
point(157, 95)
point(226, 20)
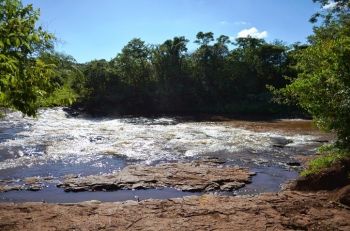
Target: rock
point(320, 140)
point(280, 142)
point(195, 177)
point(293, 164)
point(287, 210)
point(32, 180)
point(34, 183)
point(34, 187)
point(7, 181)
point(214, 160)
point(31, 187)
point(7, 188)
point(342, 195)
point(70, 176)
point(231, 186)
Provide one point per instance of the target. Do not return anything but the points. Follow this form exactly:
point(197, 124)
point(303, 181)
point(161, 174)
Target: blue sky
point(96, 29)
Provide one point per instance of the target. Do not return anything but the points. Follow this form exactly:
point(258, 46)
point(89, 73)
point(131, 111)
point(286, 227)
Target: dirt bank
point(289, 210)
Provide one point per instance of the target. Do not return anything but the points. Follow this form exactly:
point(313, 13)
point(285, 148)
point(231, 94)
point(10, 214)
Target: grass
point(330, 154)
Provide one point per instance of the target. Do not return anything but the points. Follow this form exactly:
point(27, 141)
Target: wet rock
point(7, 188)
point(17, 187)
point(69, 176)
point(231, 186)
point(34, 187)
point(194, 177)
point(320, 140)
point(280, 142)
point(34, 183)
point(32, 180)
point(6, 181)
point(39, 180)
point(213, 159)
point(260, 161)
point(293, 164)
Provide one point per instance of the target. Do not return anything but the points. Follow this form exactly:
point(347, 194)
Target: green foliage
point(330, 155)
point(99, 77)
point(143, 78)
point(323, 84)
point(68, 79)
point(63, 96)
point(133, 64)
point(337, 10)
point(174, 87)
point(24, 78)
point(166, 78)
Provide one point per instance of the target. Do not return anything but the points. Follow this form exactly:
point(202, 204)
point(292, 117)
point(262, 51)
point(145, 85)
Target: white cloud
point(252, 32)
point(330, 5)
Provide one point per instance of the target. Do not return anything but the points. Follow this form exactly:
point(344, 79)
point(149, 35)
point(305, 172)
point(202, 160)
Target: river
point(55, 144)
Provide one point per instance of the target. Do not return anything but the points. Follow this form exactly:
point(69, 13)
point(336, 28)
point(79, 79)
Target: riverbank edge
point(295, 207)
point(286, 210)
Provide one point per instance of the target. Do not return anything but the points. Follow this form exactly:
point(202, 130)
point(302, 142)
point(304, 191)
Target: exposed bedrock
point(195, 176)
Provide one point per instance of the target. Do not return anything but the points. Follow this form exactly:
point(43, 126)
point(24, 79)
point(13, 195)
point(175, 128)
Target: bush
point(330, 155)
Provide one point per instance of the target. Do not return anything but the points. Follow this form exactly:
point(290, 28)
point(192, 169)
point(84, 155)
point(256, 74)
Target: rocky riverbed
point(197, 176)
point(38, 154)
point(165, 173)
point(288, 210)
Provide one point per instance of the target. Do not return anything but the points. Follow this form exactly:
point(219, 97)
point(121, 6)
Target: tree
point(133, 63)
point(168, 58)
point(133, 67)
point(24, 77)
point(334, 11)
point(205, 64)
point(173, 86)
point(68, 79)
point(98, 78)
point(323, 83)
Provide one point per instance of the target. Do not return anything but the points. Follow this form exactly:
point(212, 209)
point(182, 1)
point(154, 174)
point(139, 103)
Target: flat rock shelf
point(194, 177)
point(283, 211)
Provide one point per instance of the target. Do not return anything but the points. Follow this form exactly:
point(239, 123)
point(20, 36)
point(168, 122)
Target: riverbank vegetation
point(168, 79)
point(25, 77)
point(322, 86)
point(222, 75)
point(219, 77)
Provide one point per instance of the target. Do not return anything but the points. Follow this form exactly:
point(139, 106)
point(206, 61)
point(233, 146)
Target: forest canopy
point(246, 76)
point(167, 78)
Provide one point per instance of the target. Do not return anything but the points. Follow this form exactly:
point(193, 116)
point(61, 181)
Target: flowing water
point(55, 144)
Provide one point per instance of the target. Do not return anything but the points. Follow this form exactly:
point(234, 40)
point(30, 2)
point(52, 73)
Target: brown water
point(55, 145)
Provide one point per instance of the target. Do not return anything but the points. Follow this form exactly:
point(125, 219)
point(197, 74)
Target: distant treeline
point(168, 79)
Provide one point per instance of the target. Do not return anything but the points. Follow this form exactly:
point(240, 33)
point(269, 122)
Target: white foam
point(76, 140)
